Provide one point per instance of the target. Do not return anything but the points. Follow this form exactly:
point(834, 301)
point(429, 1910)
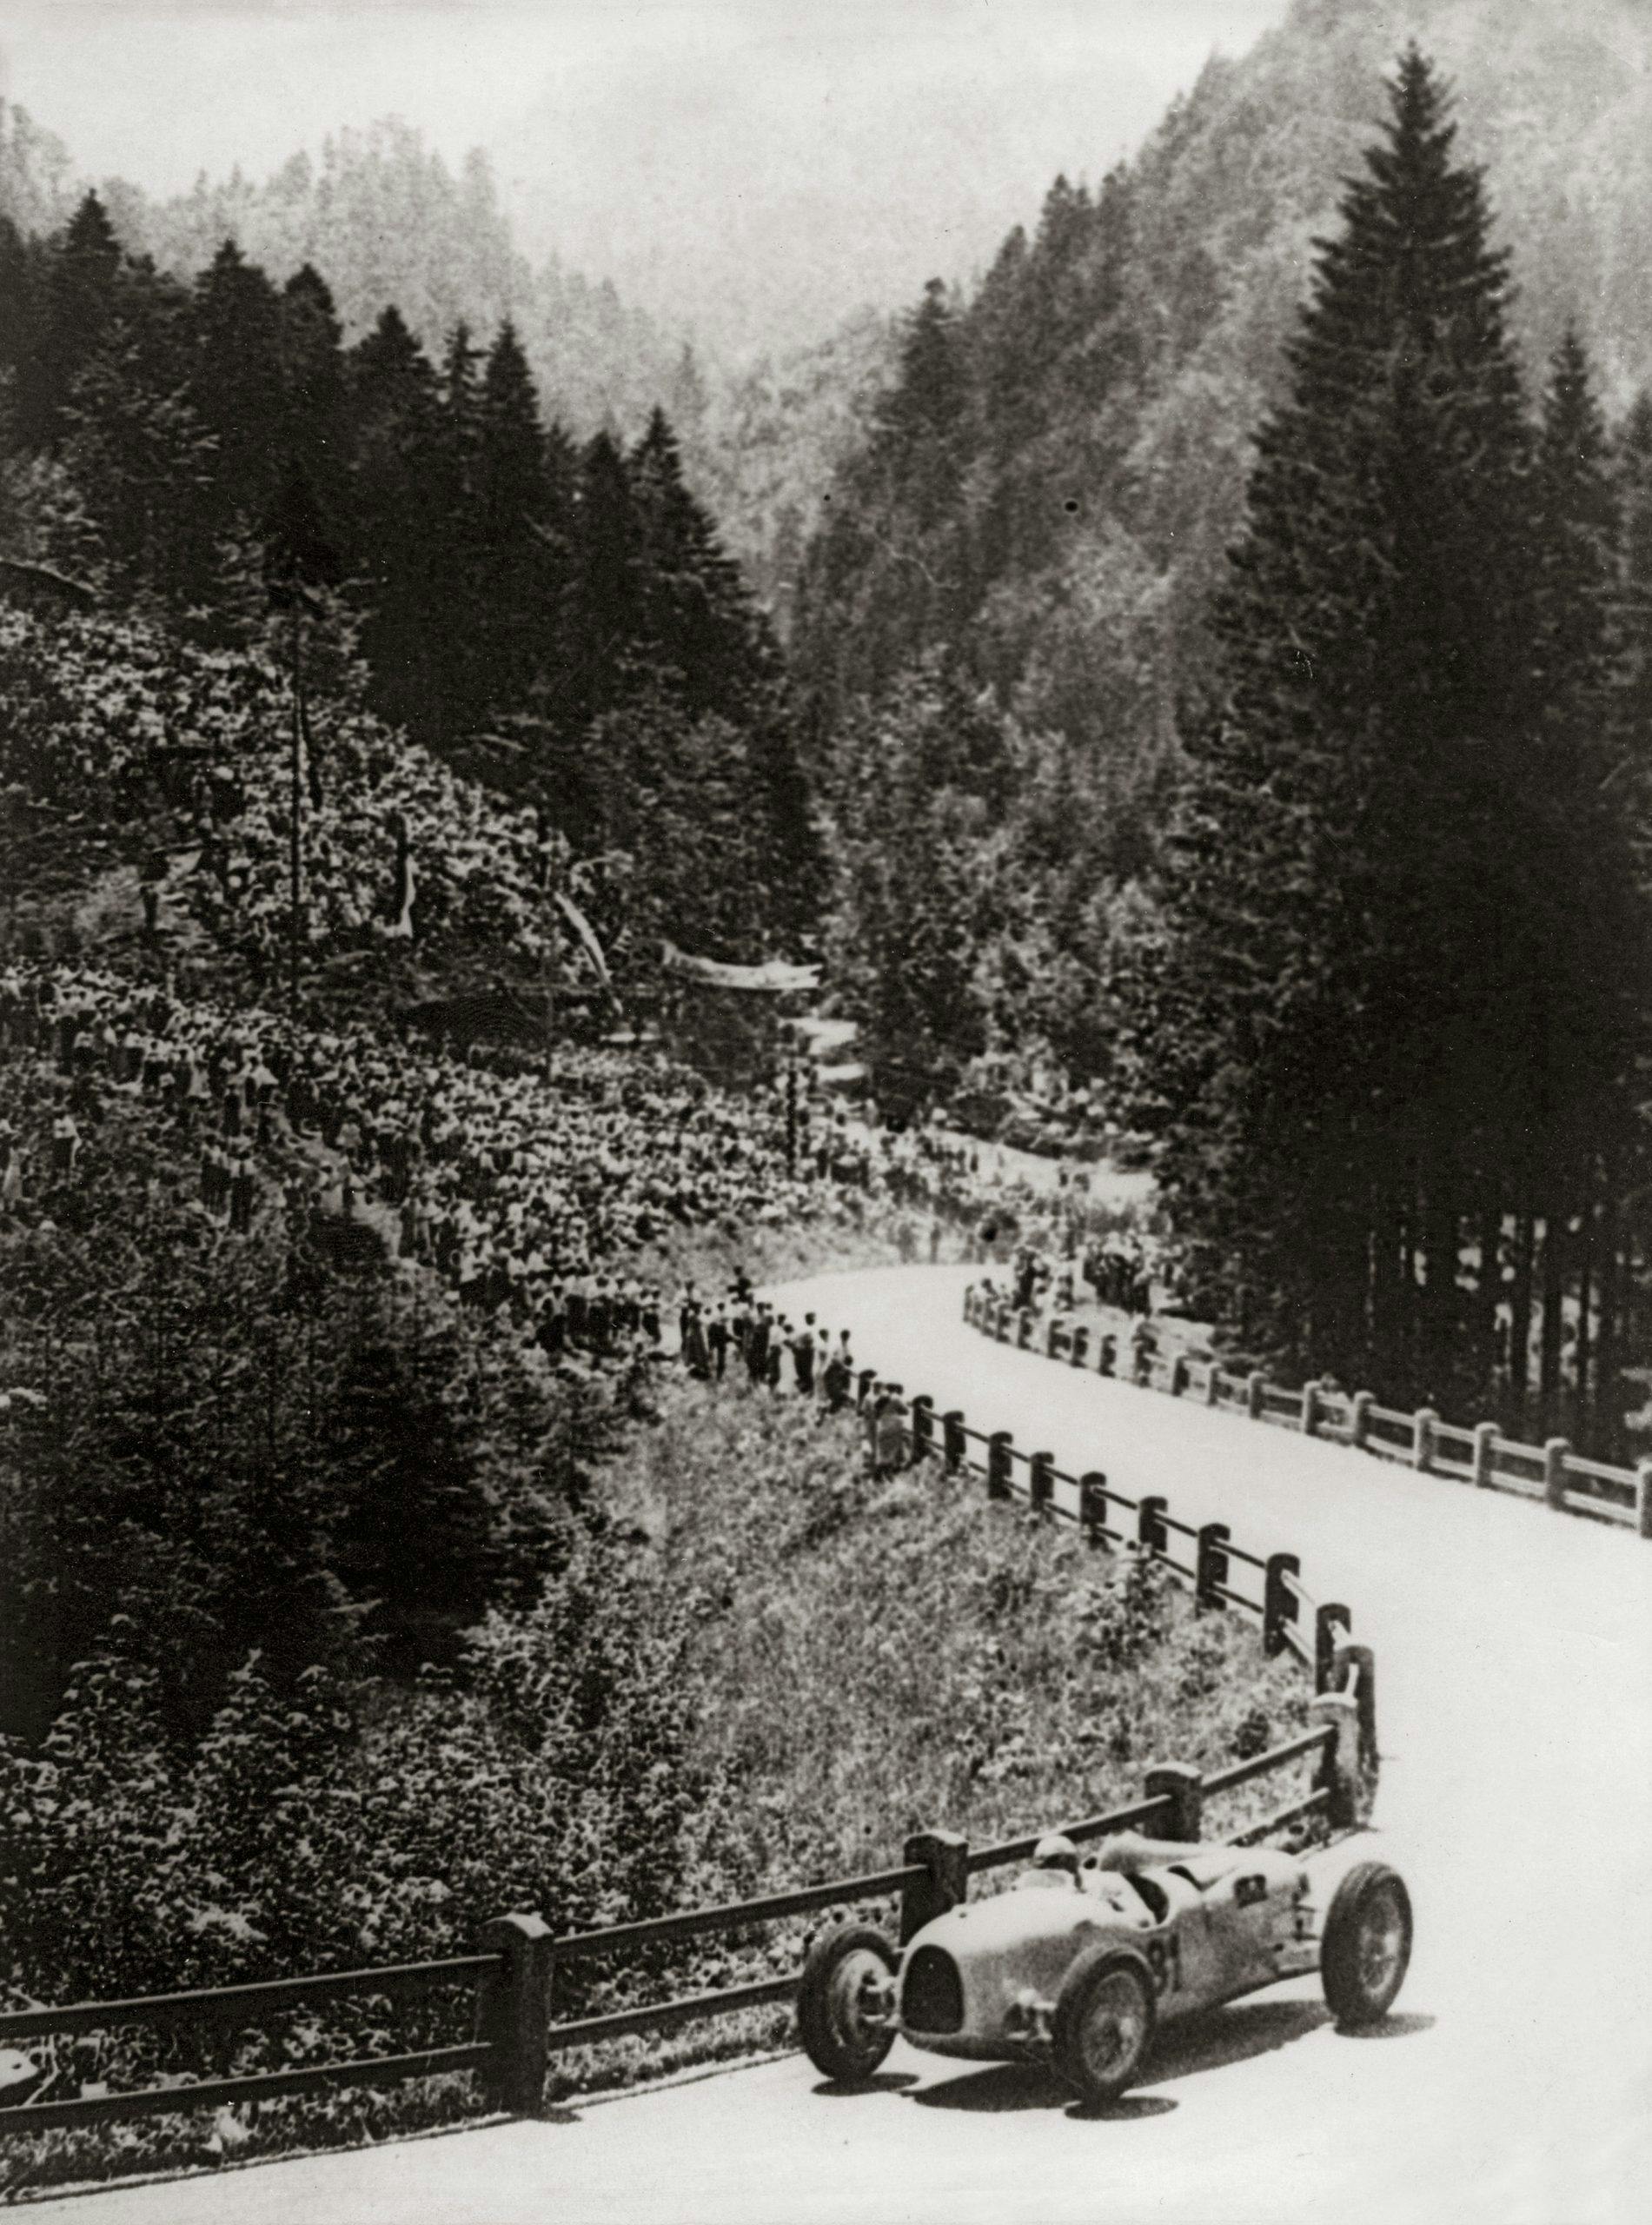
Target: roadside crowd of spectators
point(531, 1198)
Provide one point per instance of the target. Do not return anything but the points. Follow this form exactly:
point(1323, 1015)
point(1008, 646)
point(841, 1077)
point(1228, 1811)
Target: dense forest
point(558, 620)
point(1294, 882)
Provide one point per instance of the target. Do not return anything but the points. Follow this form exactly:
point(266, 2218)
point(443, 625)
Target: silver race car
point(1083, 1958)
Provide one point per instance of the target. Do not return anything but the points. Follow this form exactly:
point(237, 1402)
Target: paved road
point(1514, 1656)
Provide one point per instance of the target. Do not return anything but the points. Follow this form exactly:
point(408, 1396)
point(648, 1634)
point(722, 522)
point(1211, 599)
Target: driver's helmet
point(1055, 1850)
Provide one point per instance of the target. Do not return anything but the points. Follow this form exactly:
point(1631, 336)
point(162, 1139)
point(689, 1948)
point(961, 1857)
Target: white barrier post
point(1423, 1443)
point(1554, 1453)
point(1485, 1445)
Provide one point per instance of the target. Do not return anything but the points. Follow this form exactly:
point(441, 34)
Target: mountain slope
point(383, 219)
point(1113, 366)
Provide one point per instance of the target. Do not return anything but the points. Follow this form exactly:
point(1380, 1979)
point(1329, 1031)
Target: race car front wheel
point(1367, 1944)
point(844, 2021)
point(1103, 2023)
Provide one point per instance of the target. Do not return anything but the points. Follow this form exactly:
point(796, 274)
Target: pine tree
point(1352, 965)
point(77, 300)
point(414, 1535)
point(606, 599)
point(1588, 800)
point(406, 566)
point(132, 441)
point(314, 429)
point(522, 578)
point(236, 390)
point(1633, 473)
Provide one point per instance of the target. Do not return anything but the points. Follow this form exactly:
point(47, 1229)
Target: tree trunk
point(1554, 1287)
point(1489, 1291)
point(1608, 1282)
point(1582, 1402)
point(1520, 1302)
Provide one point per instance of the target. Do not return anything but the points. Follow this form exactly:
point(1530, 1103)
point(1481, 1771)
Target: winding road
point(1514, 1650)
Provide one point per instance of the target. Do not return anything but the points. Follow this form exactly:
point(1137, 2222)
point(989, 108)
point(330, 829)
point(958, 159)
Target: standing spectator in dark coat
point(695, 1351)
point(838, 1379)
point(803, 1358)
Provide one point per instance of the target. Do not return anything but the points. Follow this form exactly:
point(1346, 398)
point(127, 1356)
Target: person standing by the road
point(695, 1351)
point(803, 1357)
point(837, 1378)
point(717, 1340)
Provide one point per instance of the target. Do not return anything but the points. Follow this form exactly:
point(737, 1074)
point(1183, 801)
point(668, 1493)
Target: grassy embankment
point(715, 1659)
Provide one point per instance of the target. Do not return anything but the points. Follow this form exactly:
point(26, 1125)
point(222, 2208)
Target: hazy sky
point(796, 155)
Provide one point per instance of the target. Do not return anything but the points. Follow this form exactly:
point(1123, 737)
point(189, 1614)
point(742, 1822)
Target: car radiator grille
point(932, 1995)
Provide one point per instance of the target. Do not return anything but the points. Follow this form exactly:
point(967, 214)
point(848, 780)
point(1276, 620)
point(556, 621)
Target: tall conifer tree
point(1355, 946)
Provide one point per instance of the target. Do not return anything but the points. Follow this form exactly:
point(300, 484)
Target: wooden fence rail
point(511, 1980)
point(1474, 1454)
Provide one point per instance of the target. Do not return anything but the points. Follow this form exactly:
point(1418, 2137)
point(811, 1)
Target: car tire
point(1366, 1947)
point(1103, 2023)
point(837, 2039)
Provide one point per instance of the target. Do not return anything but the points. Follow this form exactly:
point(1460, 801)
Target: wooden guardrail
point(1477, 1455)
point(510, 1982)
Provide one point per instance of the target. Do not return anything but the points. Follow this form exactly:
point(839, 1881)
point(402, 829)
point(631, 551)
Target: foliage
point(875, 1656)
point(505, 595)
point(1386, 1037)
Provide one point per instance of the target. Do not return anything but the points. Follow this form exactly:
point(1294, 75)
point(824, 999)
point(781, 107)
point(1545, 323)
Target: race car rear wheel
point(1103, 2023)
point(1367, 1944)
point(843, 1973)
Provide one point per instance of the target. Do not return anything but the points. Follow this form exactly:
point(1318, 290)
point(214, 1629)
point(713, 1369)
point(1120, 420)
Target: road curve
point(1515, 1657)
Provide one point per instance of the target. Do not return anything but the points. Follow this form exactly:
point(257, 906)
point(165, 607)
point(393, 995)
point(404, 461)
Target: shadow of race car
point(1080, 1961)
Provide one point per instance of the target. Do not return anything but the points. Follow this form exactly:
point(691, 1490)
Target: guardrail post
point(1355, 1666)
point(922, 1426)
point(1080, 1352)
point(1310, 1408)
point(1279, 1604)
point(999, 1462)
point(1256, 1383)
point(864, 1382)
point(969, 1302)
point(1424, 1425)
point(1052, 1338)
point(1211, 1563)
point(1092, 1508)
point(1005, 1314)
point(514, 2011)
point(1023, 1337)
point(1331, 1626)
point(1359, 1418)
point(1107, 1354)
point(952, 1437)
point(1555, 1452)
point(1178, 1375)
point(1339, 1768)
point(944, 1856)
point(1644, 1495)
point(1485, 1435)
point(1149, 1533)
point(1185, 1789)
point(1041, 1481)
point(1213, 1384)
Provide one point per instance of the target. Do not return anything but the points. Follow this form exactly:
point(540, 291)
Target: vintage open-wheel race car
point(1081, 1960)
